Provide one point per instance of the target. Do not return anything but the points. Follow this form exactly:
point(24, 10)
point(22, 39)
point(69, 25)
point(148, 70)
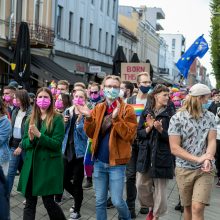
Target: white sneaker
point(72, 209)
point(75, 215)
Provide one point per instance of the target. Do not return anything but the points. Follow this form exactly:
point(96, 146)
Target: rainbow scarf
point(138, 108)
point(88, 162)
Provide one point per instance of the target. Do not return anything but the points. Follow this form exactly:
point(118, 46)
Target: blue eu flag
point(197, 49)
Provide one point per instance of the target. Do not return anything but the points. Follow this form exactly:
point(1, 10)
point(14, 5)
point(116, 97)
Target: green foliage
point(215, 39)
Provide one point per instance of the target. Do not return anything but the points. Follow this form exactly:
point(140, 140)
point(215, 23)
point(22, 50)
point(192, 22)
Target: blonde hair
point(83, 91)
point(142, 74)
point(81, 84)
point(193, 105)
point(111, 77)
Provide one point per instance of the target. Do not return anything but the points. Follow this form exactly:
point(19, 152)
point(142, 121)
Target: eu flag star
point(188, 58)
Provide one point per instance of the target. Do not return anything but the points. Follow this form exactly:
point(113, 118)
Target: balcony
point(40, 36)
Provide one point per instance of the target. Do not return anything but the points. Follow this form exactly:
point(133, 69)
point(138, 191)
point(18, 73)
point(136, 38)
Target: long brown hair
point(193, 105)
point(36, 113)
point(151, 101)
point(3, 110)
point(22, 95)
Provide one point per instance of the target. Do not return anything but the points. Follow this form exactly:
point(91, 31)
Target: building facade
point(176, 44)
point(38, 16)
point(86, 36)
point(128, 41)
point(135, 20)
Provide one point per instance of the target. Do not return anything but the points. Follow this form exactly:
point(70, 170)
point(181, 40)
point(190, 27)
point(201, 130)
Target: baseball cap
point(199, 89)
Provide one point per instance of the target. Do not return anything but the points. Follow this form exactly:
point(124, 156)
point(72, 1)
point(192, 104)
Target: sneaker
point(75, 215)
point(72, 209)
point(88, 185)
point(218, 183)
point(144, 211)
point(133, 214)
point(109, 203)
point(150, 215)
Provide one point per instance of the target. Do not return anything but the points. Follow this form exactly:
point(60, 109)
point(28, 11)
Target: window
point(19, 11)
point(70, 25)
point(173, 43)
point(92, 2)
point(100, 39)
point(108, 7)
point(173, 53)
point(106, 42)
point(59, 20)
point(114, 8)
point(90, 34)
point(80, 31)
point(101, 5)
point(112, 45)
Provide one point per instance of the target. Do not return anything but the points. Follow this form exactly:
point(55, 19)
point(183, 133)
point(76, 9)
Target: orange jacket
point(122, 134)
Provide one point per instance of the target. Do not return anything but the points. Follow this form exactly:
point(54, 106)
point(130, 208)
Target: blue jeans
point(13, 167)
point(4, 197)
point(110, 178)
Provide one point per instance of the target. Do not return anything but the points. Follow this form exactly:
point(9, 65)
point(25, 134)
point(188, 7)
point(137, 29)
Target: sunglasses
point(95, 92)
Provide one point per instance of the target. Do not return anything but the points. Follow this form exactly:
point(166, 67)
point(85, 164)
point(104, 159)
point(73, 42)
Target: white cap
point(199, 89)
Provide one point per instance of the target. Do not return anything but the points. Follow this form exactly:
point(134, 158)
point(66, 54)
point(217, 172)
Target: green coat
point(44, 156)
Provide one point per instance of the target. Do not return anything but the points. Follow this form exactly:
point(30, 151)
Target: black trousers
point(73, 179)
point(217, 158)
point(131, 178)
point(54, 211)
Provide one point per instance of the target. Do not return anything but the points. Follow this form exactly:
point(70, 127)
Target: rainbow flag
point(88, 162)
point(138, 108)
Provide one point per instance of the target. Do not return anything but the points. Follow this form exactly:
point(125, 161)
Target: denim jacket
point(5, 131)
point(80, 138)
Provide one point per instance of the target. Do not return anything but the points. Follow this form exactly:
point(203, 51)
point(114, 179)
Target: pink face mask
point(79, 101)
point(7, 98)
point(177, 103)
point(15, 103)
point(94, 96)
point(58, 91)
point(101, 93)
point(53, 91)
point(43, 103)
point(59, 104)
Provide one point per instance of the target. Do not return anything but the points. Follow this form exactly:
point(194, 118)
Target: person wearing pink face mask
point(62, 102)
point(42, 171)
point(8, 95)
point(73, 148)
point(19, 116)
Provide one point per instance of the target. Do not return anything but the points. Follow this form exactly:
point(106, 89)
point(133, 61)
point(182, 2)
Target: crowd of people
point(116, 132)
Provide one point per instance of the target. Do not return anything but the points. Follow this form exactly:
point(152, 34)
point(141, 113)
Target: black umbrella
point(151, 70)
point(22, 57)
point(118, 58)
point(134, 58)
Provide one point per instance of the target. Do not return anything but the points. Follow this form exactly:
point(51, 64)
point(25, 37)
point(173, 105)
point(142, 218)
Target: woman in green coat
point(42, 172)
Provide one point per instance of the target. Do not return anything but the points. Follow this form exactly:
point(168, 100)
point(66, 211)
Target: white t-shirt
point(17, 125)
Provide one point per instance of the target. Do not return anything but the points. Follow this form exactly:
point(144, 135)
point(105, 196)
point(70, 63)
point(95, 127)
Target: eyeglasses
point(109, 87)
point(146, 82)
point(93, 92)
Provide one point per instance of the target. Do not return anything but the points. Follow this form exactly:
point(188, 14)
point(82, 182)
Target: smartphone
point(67, 112)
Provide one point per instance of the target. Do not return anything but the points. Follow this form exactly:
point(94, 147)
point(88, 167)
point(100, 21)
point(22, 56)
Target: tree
point(215, 39)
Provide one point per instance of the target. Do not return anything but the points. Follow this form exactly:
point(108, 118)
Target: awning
point(44, 67)
point(53, 70)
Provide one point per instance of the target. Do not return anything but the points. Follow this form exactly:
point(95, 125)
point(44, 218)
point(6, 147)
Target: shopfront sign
point(95, 69)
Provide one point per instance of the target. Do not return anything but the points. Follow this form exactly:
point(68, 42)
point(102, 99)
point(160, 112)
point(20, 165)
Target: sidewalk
point(88, 208)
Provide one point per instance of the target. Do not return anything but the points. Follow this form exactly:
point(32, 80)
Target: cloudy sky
point(189, 17)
